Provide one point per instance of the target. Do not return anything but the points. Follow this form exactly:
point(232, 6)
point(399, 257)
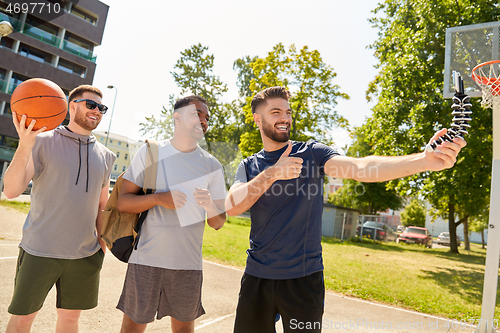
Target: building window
point(117, 154)
point(34, 54)
point(115, 167)
point(15, 81)
point(124, 168)
point(8, 142)
point(84, 15)
point(127, 145)
point(72, 68)
point(126, 157)
point(7, 111)
point(78, 46)
point(119, 143)
point(7, 42)
point(110, 141)
point(102, 139)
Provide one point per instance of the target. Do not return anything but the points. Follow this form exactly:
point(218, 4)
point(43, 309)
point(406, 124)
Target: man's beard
point(270, 132)
point(81, 120)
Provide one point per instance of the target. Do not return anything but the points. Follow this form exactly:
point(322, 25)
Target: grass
point(228, 245)
point(431, 281)
point(23, 207)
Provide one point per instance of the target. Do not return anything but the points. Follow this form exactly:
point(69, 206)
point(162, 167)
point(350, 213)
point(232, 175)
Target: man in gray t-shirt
point(70, 171)
point(164, 275)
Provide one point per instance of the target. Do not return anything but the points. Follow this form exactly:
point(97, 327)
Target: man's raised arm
point(383, 168)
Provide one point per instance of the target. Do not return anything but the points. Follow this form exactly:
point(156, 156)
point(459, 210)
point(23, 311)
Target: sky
point(143, 40)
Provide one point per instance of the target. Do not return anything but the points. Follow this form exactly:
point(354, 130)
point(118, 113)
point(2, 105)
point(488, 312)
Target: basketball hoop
point(487, 76)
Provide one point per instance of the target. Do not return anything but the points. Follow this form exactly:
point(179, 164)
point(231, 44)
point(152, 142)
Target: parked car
point(444, 239)
point(400, 228)
point(28, 188)
point(377, 231)
point(416, 235)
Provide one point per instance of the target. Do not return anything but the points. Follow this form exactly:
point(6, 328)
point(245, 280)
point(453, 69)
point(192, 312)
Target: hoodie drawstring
point(87, 165)
point(79, 160)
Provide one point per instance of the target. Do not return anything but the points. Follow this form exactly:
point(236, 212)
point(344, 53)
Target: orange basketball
point(42, 100)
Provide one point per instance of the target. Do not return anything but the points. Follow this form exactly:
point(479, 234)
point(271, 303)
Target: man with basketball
point(282, 185)
point(70, 172)
point(164, 275)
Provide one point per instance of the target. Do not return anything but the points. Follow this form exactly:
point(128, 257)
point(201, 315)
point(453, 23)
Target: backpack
point(121, 231)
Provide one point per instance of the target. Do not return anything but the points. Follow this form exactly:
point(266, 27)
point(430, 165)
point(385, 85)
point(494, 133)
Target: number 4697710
point(33, 8)
point(469, 323)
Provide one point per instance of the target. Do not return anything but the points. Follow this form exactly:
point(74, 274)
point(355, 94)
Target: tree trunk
point(453, 228)
point(466, 234)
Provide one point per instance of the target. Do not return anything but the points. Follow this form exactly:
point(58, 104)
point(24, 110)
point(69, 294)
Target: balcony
point(49, 38)
point(3, 85)
point(13, 86)
point(41, 35)
point(78, 50)
point(7, 153)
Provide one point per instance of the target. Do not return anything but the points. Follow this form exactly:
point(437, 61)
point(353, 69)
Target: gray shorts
point(165, 292)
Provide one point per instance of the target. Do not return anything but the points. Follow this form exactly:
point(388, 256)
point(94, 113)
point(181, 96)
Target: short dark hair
point(78, 91)
point(272, 92)
point(184, 101)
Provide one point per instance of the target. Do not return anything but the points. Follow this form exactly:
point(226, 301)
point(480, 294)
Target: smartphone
point(458, 83)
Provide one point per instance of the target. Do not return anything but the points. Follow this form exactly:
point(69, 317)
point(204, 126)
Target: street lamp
point(112, 110)
point(5, 28)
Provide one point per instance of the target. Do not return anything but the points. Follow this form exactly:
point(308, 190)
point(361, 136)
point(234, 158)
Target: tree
point(479, 224)
point(414, 214)
point(370, 198)
point(410, 107)
point(310, 80)
point(193, 73)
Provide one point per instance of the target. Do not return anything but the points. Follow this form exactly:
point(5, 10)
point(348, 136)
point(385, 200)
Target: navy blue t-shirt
point(285, 236)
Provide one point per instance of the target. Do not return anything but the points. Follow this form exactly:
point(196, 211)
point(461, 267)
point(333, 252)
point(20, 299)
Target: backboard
point(466, 47)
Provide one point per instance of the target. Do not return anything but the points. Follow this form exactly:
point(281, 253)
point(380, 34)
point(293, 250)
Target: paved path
point(220, 293)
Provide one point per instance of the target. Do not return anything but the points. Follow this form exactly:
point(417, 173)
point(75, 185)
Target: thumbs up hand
point(286, 167)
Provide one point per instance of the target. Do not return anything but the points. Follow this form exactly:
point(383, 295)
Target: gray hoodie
point(70, 172)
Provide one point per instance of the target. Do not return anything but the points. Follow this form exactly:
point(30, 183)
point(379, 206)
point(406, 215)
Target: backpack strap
point(149, 182)
point(151, 166)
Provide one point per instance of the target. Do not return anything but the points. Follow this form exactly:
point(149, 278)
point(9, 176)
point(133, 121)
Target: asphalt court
point(220, 295)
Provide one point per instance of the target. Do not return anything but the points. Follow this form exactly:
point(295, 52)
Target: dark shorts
point(76, 280)
point(150, 291)
point(300, 302)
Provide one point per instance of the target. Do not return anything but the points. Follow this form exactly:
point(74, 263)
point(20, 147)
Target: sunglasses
point(91, 105)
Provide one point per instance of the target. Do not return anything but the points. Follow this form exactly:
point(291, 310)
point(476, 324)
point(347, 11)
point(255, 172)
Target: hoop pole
point(493, 251)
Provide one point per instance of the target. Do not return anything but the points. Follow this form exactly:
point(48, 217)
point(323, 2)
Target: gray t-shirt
point(62, 218)
point(172, 238)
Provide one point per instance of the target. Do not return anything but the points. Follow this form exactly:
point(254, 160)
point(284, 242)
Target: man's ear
point(256, 118)
point(177, 117)
point(72, 107)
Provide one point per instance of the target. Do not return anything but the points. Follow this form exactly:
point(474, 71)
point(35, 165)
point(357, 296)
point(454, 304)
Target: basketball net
point(487, 76)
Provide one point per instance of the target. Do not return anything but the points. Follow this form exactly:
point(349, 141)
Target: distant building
point(124, 148)
point(390, 217)
point(440, 225)
point(61, 50)
point(333, 185)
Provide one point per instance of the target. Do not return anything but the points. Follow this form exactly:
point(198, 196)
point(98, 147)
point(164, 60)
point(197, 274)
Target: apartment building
point(60, 49)
point(124, 148)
